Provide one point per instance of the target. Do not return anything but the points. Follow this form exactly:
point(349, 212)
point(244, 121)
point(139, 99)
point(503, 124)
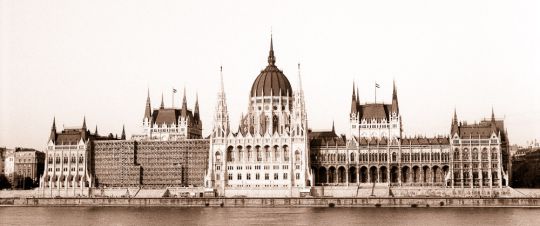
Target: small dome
point(271, 81)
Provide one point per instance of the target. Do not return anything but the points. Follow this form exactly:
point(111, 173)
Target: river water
point(266, 216)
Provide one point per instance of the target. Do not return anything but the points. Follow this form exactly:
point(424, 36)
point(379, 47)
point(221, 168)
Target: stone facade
point(269, 153)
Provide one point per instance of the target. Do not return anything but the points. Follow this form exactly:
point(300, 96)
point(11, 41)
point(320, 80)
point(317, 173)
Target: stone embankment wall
point(276, 202)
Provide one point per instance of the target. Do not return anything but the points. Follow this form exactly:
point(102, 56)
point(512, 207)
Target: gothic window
point(65, 159)
point(465, 154)
point(218, 156)
point(352, 157)
point(297, 156)
point(50, 160)
point(276, 153)
point(267, 153)
point(456, 154)
point(286, 153)
point(475, 154)
point(249, 153)
point(230, 154)
point(259, 154)
point(394, 157)
point(484, 154)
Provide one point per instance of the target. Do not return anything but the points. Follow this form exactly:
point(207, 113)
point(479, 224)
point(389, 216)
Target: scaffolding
point(152, 164)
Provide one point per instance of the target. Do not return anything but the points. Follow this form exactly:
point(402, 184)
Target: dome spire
point(271, 57)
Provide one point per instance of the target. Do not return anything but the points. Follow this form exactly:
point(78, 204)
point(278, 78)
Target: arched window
point(465, 154)
point(456, 154)
point(218, 156)
point(249, 153)
point(484, 154)
point(276, 153)
point(352, 157)
point(259, 153)
point(286, 153)
point(475, 154)
point(297, 155)
point(267, 153)
point(230, 154)
point(240, 153)
point(81, 158)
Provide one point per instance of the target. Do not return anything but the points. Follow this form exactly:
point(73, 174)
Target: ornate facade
point(269, 153)
point(376, 155)
point(169, 124)
point(68, 165)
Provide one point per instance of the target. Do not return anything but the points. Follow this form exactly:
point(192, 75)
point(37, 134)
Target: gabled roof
point(168, 116)
point(375, 111)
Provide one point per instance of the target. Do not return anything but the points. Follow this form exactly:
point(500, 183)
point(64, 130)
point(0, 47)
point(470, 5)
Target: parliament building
point(273, 153)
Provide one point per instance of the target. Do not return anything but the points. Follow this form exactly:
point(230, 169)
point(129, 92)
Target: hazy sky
point(97, 58)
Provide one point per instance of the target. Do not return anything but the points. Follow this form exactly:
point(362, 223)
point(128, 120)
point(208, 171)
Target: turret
point(83, 130)
point(184, 105)
point(395, 106)
point(354, 104)
point(455, 126)
point(52, 136)
point(493, 123)
point(221, 117)
point(196, 108)
point(162, 106)
point(123, 137)
point(148, 108)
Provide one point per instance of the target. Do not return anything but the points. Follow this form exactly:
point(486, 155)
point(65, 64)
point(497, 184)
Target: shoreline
point(361, 202)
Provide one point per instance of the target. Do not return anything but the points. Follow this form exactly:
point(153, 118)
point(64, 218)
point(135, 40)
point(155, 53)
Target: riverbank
point(276, 202)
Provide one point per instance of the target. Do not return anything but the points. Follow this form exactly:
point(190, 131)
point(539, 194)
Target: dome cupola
point(271, 81)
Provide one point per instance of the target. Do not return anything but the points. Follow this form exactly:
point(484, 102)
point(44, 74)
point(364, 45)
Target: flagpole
point(375, 91)
point(173, 97)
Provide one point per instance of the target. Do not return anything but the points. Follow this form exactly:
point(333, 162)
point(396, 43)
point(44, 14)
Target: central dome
point(271, 81)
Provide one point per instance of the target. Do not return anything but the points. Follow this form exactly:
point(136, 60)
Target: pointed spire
point(299, 79)
point(95, 131)
point(354, 104)
point(271, 57)
point(333, 127)
point(184, 104)
point(148, 108)
point(83, 130)
point(493, 123)
point(123, 137)
point(395, 105)
point(162, 106)
point(357, 96)
point(454, 128)
point(196, 108)
point(53, 130)
point(222, 88)
point(455, 119)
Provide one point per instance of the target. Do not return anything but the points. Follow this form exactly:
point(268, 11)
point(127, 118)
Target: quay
point(275, 202)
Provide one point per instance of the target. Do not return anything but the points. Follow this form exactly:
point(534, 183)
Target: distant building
point(29, 165)
point(8, 162)
point(526, 168)
point(68, 169)
point(171, 124)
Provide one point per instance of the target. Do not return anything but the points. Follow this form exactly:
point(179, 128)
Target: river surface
point(266, 216)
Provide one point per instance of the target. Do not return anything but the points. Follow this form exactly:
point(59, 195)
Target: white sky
point(97, 58)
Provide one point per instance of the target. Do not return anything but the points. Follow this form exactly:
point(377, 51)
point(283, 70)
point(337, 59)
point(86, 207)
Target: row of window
point(66, 159)
point(258, 167)
point(65, 169)
point(258, 176)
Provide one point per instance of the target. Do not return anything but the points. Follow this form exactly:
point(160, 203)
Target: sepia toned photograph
point(182, 112)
